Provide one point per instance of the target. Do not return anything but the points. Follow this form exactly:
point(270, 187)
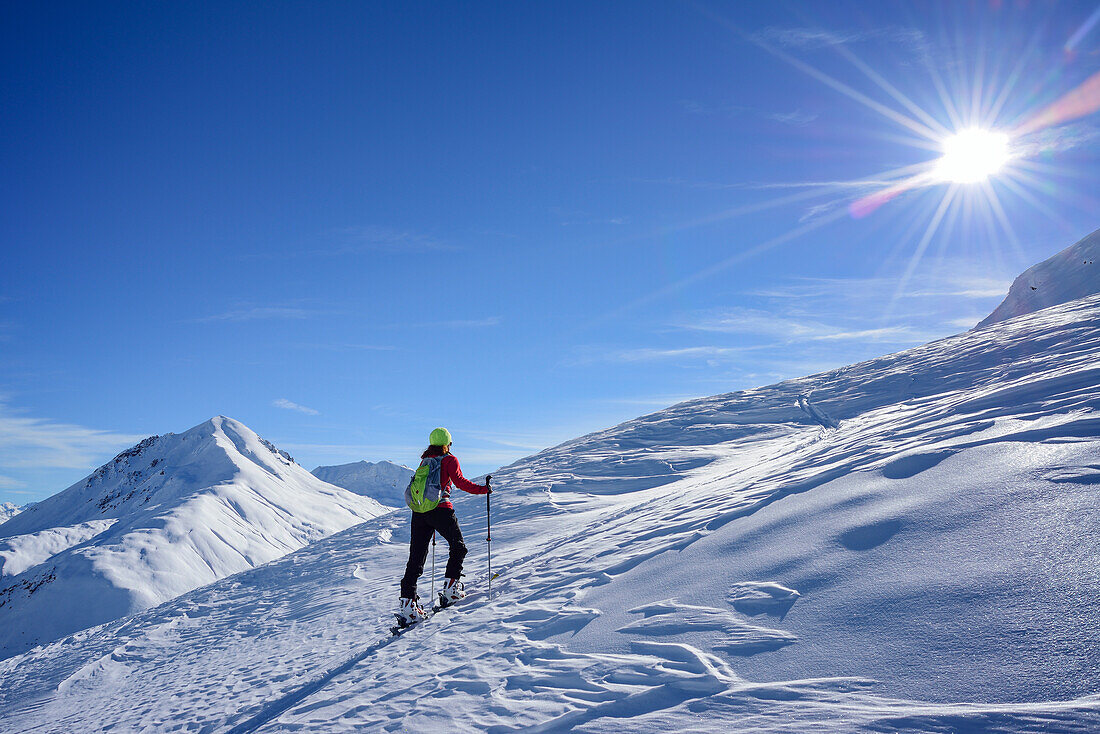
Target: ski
point(444, 604)
point(402, 626)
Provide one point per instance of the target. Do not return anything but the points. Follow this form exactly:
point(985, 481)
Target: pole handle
point(488, 533)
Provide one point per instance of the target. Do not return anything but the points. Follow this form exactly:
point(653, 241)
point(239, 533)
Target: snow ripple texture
point(909, 544)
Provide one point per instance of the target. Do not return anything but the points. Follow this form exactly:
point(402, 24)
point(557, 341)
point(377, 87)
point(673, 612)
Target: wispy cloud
point(10, 483)
point(809, 38)
point(649, 401)
point(858, 184)
point(821, 287)
point(360, 240)
point(808, 191)
point(967, 322)
point(257, 313)
point(796, 117)
point(774, 325)
point(943, 285)
point(591, 355)
point(523, 441)
point(1056, 139)
point(288, 405)
point(40, 443)
point(571, 217)
point(373, 238)
point(347, 347)
point(861, 183)
point(345, 452)
point(450, 324)
point(687, 183)
point(472, 323)
point(820, 210)
point(825, 321)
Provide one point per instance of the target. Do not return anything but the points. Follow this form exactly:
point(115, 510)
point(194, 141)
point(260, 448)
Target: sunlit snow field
point(907, 544)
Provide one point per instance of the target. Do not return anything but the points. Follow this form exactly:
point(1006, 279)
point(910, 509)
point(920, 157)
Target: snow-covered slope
point(384, 481)
point(9, 510)
point(1071, 274)
point(910, 544)
point(170, 514)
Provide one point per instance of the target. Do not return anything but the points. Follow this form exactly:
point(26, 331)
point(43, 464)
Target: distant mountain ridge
point(172, 513)
point(9, 510)
point(384, 481)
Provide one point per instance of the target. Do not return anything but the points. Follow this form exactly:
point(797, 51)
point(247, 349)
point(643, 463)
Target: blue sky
point(346, 223)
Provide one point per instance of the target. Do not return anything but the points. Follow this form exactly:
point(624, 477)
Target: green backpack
point(424, 491)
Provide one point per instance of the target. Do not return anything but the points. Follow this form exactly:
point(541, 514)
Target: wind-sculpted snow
point(20, 552)
point(908, 544)
point(170, 514)
point(1071, 274)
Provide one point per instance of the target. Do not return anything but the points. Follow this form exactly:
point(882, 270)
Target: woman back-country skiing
point(429, 497)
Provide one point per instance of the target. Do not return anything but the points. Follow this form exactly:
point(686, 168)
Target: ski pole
point(433, 567)
point(489, 534)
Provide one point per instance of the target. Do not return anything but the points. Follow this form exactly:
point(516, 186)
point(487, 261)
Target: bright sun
point(972, 156)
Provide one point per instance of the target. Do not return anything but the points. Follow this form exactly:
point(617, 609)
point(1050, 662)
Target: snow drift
point(170, 514)
point(384, 481)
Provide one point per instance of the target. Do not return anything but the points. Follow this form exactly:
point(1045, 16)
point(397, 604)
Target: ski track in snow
point(301, 644)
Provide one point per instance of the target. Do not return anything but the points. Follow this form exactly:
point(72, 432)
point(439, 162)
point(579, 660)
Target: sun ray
point(847, 91)
point(893, 91)
point(910, 142)
point(977, 85)
point(917, 219)
point(1042, 208)
point(1014, 76)
point(945, 97)
point(716, 268)
point(918, 254)
point(1078, 36)
point(822, 77)
point(1032, 166)
point(1002, 219)
point(959, 81)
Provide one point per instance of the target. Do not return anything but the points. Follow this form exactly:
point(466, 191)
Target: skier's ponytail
point(432, 451)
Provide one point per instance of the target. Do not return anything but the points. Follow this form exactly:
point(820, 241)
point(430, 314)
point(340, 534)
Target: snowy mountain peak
point(156, 471)
point(173, 512)
point(1071, 274)
point(385, 481)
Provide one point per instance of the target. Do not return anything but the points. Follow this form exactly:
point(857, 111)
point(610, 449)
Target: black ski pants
point(424, 525)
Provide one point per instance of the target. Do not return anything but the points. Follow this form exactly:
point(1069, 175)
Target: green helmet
point(440, 437)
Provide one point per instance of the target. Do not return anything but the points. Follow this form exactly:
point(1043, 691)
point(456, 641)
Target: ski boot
point(452, 592)
point(410, 612)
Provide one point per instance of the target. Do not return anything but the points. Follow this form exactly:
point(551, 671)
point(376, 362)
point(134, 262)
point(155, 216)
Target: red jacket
point(451, 473)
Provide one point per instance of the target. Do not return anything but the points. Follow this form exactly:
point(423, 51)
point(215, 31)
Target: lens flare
point(972, 156)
